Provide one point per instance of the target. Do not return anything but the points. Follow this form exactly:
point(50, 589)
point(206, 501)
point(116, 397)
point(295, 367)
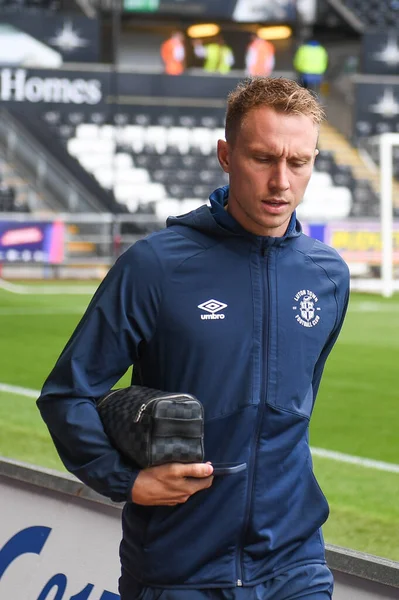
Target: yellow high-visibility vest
point(218, 58)
point(311, 59)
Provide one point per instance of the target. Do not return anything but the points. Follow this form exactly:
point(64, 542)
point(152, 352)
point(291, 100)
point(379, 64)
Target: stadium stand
point(155, 161)
point(15, 194)
point(11, 6)
point(374, 13)
point(152, 161)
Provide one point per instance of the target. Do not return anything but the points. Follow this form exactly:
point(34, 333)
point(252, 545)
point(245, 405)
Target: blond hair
point(281, 94)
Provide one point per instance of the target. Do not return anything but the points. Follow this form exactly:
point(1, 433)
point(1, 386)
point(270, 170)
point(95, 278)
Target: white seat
point(123, 160)
point(217, 134)
point(122, 192)
point(167, 208)
point(179, 137)
point(202, 138)
point(154, 133)
point(132, 204)
point(132, 176)
point(190, 204)
point(325, 205)
point(150, 192)
point(77, 146)
point(87, 131)
point(155, 137)
point(340, 202)
point(132, 136)
point(93, 162)
point(320, 181)
point(107, 132)
point(105, 177)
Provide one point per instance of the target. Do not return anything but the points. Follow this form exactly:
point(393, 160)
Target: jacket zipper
point(263, 390)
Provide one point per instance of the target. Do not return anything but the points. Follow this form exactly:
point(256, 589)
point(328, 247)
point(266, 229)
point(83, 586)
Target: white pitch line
point(21, 391)
point(46, 289)
point(373, 307)
point(10, 312)
point(367, 463)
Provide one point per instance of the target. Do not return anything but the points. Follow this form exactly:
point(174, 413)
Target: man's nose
point(279, 177)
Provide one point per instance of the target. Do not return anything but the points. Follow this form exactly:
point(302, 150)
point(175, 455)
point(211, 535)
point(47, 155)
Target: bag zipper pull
point(139, 413)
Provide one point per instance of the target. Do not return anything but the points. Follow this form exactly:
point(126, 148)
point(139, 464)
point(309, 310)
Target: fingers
point(171, 484)
point(197, 470)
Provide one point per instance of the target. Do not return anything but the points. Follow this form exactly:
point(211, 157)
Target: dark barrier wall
point(240, 10)
point(75, 37)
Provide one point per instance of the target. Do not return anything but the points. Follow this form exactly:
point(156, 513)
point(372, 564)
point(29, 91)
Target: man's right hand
point(171, 484)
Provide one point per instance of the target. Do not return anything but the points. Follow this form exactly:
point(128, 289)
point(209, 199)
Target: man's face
point(269, 166)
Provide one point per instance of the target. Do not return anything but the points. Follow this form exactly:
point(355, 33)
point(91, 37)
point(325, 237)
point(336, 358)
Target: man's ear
point(223, 152)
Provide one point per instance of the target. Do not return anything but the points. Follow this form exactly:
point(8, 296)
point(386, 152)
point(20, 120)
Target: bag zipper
point(106, 398)
point(144, 406)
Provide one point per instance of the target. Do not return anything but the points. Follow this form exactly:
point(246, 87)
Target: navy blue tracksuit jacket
point(245, 323)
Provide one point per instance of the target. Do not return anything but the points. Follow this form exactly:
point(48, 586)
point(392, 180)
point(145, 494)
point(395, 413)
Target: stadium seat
point(146, 156)
point(331, 204)
point(93, 162)
point(319, 181)
point(87, 131)
point(167, 208)
point(178, 137)
point(123, 160)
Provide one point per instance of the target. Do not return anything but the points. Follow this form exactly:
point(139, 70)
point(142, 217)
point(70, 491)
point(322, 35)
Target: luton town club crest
point(306, 309)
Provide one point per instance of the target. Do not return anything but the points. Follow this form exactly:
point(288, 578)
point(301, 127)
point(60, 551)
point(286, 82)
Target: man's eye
point(298, 164)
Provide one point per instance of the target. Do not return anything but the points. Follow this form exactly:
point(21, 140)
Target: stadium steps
point(11, 178)
point(345, 154)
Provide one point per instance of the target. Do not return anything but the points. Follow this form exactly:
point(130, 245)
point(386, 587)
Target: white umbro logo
point(212, 307)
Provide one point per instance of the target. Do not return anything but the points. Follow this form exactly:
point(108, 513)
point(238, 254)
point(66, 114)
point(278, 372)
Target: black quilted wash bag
point(151, 427)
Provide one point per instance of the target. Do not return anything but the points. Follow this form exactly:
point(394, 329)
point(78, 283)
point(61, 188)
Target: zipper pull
point(139, 413)
point(239, 583)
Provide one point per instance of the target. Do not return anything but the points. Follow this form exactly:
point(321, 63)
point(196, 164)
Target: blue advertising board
point(37, 242)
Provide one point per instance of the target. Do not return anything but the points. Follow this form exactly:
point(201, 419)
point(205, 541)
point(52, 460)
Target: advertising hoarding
point(32, 242)
point(54, 546)
point(356, 241)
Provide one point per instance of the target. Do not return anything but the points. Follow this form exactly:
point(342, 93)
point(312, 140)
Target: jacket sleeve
point(118, 322)
point(342, 299)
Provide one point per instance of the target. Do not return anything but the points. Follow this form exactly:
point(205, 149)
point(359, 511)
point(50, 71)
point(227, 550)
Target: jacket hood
point(215, 221)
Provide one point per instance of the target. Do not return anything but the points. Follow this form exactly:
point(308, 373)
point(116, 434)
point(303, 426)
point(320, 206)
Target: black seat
point(98, 117)
point(120, 119)
point(75, 118)
point(52, 117)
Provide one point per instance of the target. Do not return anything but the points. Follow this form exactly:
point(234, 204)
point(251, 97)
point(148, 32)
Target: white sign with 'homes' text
point(18, 85)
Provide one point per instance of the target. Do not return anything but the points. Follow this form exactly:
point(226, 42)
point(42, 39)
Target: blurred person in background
point(260, 57)
point(218, 56)
point(234, 304)
point(173, 54)
point(310, 63)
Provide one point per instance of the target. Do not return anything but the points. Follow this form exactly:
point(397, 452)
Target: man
point(260, 57)
point(277, 300)
point(173, 54)
point(219, 57)
point(310, 62)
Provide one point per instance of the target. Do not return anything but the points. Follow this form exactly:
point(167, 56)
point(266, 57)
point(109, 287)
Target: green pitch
point(356, 411)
